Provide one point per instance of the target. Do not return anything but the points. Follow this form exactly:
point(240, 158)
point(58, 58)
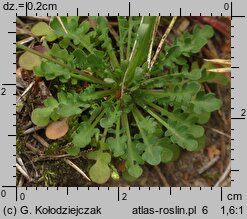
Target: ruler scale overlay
point(122, 202)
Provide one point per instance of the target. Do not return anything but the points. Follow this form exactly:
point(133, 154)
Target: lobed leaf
point(82, 137)
point(206, 103)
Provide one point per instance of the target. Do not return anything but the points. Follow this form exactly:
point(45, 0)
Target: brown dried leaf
point(57, 129)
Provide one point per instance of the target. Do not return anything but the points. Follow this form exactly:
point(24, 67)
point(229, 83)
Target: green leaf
point(126, 176)
point(148, 124)
point(152, 151)
point(186, 119)
point(171, 152)
point(68, 110)
point(111, 117)
point(77, 33)
point(40, 29)
point(166, 155)
point(60, 53)
point(123, 33)
point(141, 48)
point(118, 146)
point(181, 136)
point(43, 29)
point(28, 61)
point(51, 36)
point(211, 77)
point(51, 102)
point(178, 134)
point(192, 43)
point(73, 151)
point(95, 62)
point(180, 94)
point(82, 137)
point(133, 159)
point(100, 171)
point(80, 58)
point(135, 170)
point(204, 118)
point(102, 28)
point(206, 103)
point(195, 74)
point(50, 71)
point(41, 116)
point(90, 94)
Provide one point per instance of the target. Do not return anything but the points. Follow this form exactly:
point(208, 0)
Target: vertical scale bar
point(231, 10)
point(129, 8)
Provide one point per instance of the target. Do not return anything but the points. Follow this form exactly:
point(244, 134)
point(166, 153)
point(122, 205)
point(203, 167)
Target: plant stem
point(162, 77)
point(156, 93)
point(81, 75)
point(126, 126)
point(103, 138)
point(157, 117)
point(112, 55)
point(96, 121)
point(95, 114)
point(138, 116)
point(161, 110)
point(118, 129)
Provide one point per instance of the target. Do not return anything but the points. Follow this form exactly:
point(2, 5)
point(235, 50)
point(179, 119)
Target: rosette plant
point(140, 100)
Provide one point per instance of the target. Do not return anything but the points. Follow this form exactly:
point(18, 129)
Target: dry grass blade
point(219, 61)
point(23, 172)
point(220, 70)
point(162, 177)
point(25, 92)
point(61, 23)
point(152, 42)
point(208, 165)
point(26, 40)
point(31, 130)
point(223, 176)
point(33, 149)
point(219, 132)
point(162, 41)
point(76, 168)
point(41, 140)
